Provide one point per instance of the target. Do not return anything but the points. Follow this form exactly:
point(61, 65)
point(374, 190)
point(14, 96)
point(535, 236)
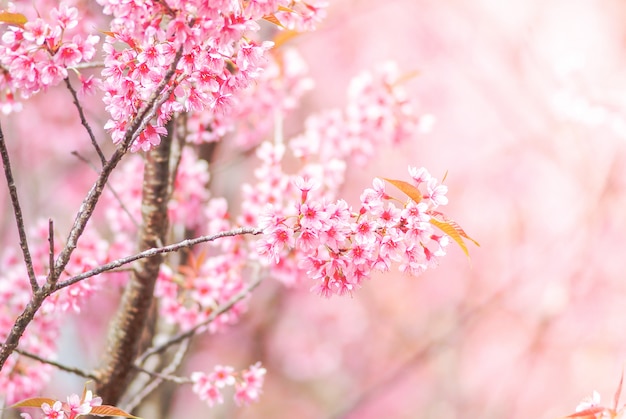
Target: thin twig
point(83, 121)
point(194, 330)
point(51, 249)
point(165, 374)
point(155, 251)
point(111, 188)
point(83, 66)
point(17, 211)
point(73, 370)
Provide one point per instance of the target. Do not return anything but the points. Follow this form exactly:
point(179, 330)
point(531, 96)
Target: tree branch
point(83, 121)
point(62, 367)
point(155, 251)
point(17, 211)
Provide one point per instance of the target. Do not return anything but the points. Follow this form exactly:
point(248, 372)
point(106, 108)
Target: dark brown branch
point(73, 370)
point(155, 251)
point(17, 211)
point(83, 121)
point(196, 329)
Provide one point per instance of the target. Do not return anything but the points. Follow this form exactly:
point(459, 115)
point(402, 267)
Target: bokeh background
point(529, 100)
point(529, 103)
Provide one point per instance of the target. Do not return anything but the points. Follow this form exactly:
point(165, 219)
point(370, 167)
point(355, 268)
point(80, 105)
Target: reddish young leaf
point(34, 402)
point(409, 190)
point(16, 19)
point(105, 410)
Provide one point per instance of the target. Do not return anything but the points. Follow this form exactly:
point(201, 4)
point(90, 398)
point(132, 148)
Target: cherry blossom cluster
point(219, 59)
point(75, 407)
point(339, 247)
point(248, 384)
point(378, 112)
point(37, 54)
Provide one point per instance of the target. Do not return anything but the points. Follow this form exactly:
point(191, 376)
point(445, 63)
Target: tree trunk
point(132, 328)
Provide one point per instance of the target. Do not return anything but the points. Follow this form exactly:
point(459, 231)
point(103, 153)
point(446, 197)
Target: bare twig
point(194, 330)
point(92, 64)
point(83, 121)
point(111, 188)
point(164, 375)
point(155, 251)
point(51, 249)
point(17, 211)
point(73, 370)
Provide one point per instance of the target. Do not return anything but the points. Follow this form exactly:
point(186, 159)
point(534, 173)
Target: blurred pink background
point(529, 103)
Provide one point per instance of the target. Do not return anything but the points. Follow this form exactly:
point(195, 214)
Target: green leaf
point(34, 402)
point(409, 190)
point(105, 410)
point(17, 19)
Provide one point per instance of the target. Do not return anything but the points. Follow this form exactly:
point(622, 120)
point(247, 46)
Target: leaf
point(105, 410)
point(285, 9)
point(107, 33)
point(273, 19)
point(409, 190)
point(34, 402)
point(454, 224)
point(447, 228)
point(17, 19)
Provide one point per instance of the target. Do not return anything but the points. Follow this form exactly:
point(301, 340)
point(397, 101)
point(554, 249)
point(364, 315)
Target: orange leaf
point(447, 228)
point(105, 410)
point(454, 224)
point(34, 402)
point(285, 9)
point(17, 19)
point(273, 19)
point(409, 190)
point(107, 33)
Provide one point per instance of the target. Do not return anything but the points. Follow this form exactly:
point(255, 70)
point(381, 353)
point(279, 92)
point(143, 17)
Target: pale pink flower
point(53, 412)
